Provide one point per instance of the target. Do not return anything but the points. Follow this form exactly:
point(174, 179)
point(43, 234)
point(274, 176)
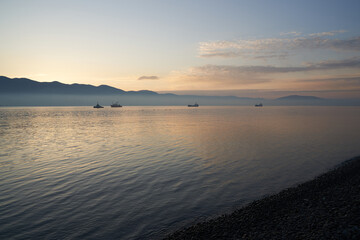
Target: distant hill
point(28, 86)
point(298, 98)
point(27, 92)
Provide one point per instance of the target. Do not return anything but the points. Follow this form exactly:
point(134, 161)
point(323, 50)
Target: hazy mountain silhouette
point(24, 85)
point(299, 98)
point(27, 92)
point(28, 86)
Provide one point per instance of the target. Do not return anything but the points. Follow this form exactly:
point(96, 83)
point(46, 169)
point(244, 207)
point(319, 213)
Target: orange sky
point(241, 47)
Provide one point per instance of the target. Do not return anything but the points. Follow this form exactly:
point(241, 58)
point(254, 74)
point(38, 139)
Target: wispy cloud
point(338, 83)
point(352, 82)
point(148, 78)
point(334, 79)
point(322, 34)
point(277, 47)
point(293, 33)
point(334, 64)
point(231, 75)
point(323, 65)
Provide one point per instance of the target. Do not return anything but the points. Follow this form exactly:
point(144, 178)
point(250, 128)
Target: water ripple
point(137, 173)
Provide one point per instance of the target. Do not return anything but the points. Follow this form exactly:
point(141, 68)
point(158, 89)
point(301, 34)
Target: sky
point(246, 48)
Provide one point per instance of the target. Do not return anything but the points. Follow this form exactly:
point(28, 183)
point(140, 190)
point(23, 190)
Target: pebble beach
point(327, 207)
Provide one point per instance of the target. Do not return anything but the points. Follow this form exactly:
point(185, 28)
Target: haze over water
point(139, 172)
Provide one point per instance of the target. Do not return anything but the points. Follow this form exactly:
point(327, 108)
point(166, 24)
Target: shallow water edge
point(326, 207)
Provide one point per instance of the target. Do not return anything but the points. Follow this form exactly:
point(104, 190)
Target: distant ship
point(115, 105)
point(258, 105)
point(195, 105)
point(98, 106)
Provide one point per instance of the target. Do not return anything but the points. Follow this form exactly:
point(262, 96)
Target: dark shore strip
point(327, 207)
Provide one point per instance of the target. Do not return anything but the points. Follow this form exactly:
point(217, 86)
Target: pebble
point(324, 208)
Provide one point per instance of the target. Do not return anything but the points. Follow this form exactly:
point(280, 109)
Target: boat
point(115, 105)
point(258, 105)
point(195, 105)
point(98, 106)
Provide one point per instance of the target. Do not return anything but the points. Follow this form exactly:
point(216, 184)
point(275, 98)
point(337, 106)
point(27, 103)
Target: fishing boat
point(115, 105)
point(98, 106)
point(258, 105)
point(195, 105)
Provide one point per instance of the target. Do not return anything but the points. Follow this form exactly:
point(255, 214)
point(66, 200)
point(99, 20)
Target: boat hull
point(195, 105)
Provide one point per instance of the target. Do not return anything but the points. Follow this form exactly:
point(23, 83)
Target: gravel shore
point(327, 207)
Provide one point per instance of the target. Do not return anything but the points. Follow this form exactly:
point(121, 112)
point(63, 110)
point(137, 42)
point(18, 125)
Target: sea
point(143, 172)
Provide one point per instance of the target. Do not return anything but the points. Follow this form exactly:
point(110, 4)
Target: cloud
point(277, 47)
point(323, 65)
point(274, 55)
point(223, 76)
point(148, 78)
point(294, 33)
point(337, 83)
point(322, 34)
point(334, 64)
point(336, 79)
point(236, 53)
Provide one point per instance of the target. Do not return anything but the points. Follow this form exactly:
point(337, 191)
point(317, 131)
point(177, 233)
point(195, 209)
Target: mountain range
point(24, 85)
point(27, 92)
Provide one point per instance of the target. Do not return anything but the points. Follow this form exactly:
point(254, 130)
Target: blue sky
point(245, 48)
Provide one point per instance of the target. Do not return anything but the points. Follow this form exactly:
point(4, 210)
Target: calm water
point(139, 172)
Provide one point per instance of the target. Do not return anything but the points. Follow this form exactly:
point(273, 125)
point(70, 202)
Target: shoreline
point(327, 207)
